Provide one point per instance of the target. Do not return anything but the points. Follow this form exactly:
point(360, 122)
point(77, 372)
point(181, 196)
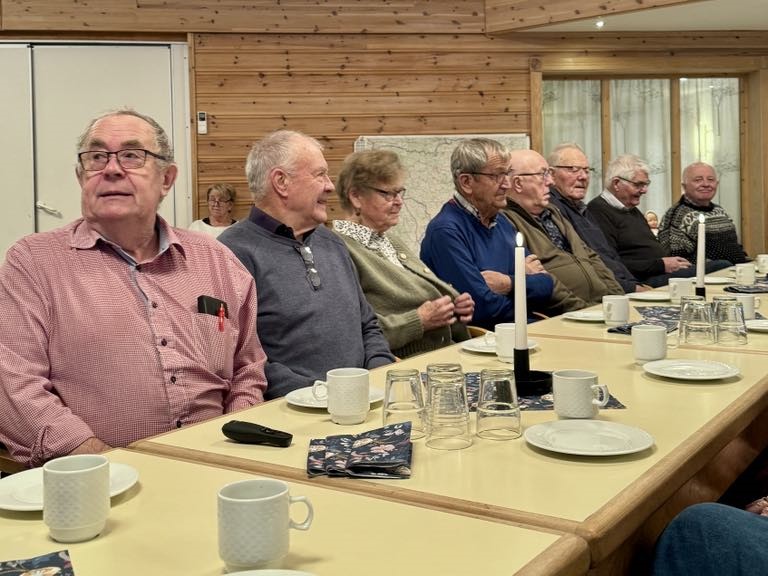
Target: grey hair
point(693, 165)
point(624, 166)
point(364, 169)
point(276, 150)
point(163, 143)
point(553, 159)
point(224, 189)
point(472, 155)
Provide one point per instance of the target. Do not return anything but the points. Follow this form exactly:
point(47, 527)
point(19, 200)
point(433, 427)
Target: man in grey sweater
point(312, 314)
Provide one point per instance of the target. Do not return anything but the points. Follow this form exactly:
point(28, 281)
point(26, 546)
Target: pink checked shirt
point(91, 345)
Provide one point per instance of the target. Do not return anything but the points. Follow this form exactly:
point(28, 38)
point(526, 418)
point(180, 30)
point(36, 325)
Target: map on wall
point(427, 160)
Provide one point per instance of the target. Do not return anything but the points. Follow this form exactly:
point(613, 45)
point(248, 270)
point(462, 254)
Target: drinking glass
point(498, 413)
point(730, 328)
point(448, 412)
point(404, 401)
point(441, 368)
point(696, 325)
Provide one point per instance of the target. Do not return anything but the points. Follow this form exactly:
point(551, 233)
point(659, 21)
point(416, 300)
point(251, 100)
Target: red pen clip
point(222, 313)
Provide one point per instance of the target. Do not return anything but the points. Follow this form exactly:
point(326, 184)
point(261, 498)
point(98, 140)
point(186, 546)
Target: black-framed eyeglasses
point(544, 174)
point(497, 177)
point(218, 201)
point(576, 169)
point(640, 184)
point(389, 195)
point(309, 263)
point(128, 158)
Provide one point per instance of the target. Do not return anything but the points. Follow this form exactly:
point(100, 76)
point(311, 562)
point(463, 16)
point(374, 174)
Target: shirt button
point(173, 379)
point(402, 256)
point(163, 342)
point(427, 270)
point(154, 304)
point(178, 423)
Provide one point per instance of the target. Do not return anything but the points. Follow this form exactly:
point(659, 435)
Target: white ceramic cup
point(762, 263)
point(76, 496)
point(616, 309)
point(347, 393)
point(745, 273)
point(680, 287)
point(254, 520)
point(577, 393)
point(649, 342)
point(749, 302)
point(505, 341)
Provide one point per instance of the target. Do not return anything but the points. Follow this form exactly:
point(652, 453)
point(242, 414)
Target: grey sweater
point(306, 331)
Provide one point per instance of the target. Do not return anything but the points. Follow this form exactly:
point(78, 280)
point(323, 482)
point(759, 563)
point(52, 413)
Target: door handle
point(48, 209)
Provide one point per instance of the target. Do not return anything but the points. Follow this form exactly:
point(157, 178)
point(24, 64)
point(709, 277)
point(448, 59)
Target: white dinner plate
point(757, 325)
point(24, 490)
point(585, 316)
point(717, 280)
point(690, 369)
point(650, 296)
point(269, 572)
point(588, 437)
point(480, 345)
point(303, 397)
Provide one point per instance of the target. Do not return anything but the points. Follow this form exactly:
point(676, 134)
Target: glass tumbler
point(730, 328)
point(404, 401)
point(696, 325)
point(448, 412)
point(498, 413)
point(441, 368)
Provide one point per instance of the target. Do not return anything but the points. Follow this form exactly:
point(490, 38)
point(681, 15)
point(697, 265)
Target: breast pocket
point(215, 348)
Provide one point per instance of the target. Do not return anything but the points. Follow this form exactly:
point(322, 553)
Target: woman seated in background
point(221, 199)
point(417, 311)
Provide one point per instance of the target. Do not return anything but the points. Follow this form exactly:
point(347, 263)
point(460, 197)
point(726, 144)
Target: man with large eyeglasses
point(470, 246)
point(571, 175)
point(581, 277)
point(117, 326)
point(313, 315)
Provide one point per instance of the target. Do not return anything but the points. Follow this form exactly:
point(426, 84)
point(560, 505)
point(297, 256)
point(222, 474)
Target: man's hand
point(533, 265)
point(436, 313)
point(91, 446)
point(643, 288)
point(675, 263)
point(498, 283)
point(464, 307)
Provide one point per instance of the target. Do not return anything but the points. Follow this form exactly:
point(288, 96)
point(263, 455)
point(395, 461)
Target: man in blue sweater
point(312, 314)
point(467, 245)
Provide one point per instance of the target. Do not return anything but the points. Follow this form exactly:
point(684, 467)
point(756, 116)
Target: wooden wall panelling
point(674, 135)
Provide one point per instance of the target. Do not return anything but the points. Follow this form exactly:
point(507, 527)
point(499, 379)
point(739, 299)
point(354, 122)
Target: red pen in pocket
point(222, 314)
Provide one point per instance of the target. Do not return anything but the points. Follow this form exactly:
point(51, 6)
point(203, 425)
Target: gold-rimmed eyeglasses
point(389, 195)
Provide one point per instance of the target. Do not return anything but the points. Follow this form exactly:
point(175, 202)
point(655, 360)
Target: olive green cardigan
point(395, 293)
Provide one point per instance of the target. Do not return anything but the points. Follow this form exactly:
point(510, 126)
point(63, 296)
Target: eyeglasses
point(497, 177)
point(129, 158)
point(309, 264)
point(388, 195)
point(544, 174)
point(639, 184)
point(217, 201)
point(576, 169)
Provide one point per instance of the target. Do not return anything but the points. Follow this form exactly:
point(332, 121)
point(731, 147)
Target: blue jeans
point(713, 540)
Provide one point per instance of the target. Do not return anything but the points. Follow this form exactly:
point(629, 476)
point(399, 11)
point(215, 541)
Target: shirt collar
point(84, 237)
point(613, 201)
point(578, 205)
point(468, 207)
point(264, 220)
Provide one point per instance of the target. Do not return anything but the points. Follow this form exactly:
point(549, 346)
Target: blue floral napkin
point(382, 453)
point(757, 288)
point(54, 563)
point(668, 316)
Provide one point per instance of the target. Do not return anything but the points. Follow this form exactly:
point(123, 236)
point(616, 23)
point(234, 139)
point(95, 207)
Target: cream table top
point(166, 524)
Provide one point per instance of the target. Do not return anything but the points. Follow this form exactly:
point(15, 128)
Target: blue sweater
point(457, 247)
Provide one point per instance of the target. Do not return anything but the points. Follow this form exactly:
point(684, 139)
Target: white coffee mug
point(616, 309)
point(577, 394)
point(505, 341)
point(749, 303)
point(254, 523)
point(347, 393)
point(649, 342)
point(762, 263)
point(76, 496)
point(680, 287)
point(745, 273)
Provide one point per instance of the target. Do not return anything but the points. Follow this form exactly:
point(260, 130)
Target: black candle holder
point(530, 382)
point(701, 291)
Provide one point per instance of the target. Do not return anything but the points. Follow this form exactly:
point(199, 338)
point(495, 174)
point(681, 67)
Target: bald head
point(530, 182)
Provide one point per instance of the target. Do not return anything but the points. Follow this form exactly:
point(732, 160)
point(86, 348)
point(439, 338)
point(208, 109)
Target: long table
point(705, 435)
point(166, 524)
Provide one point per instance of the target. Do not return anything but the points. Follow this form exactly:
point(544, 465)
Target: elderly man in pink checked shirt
point(117, 327)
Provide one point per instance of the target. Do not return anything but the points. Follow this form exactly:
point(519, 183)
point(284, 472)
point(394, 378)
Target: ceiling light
point(599, 24)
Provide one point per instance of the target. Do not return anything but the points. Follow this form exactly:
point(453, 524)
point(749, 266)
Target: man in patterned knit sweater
point(679, 227)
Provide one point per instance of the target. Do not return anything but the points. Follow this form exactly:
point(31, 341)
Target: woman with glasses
point(417, 311)
point(221, 199)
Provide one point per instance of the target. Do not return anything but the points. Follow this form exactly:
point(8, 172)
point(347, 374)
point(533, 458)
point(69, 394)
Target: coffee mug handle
point(601, 395)
point(310, 512)
point(757, 301)
point(316, 390)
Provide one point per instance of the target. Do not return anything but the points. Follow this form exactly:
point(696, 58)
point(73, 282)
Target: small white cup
point(762, 263)
point(745, 273)
point(649, 342)
point(76, 496)
point(616, 309)
point(577, 394)
point(505, 341)
point(254, 522)
point(680, 287)
point(347, 393)
point(749, 302)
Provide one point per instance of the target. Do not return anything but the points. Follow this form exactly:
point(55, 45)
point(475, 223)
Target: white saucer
point(650, 296)
point(480, 345)
point(303, 397)
point(690, 369)
point(585, 316)
point(270, 572)
point(23, 491)
point(757, 325)
point(588, 437)
point(718, 280)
